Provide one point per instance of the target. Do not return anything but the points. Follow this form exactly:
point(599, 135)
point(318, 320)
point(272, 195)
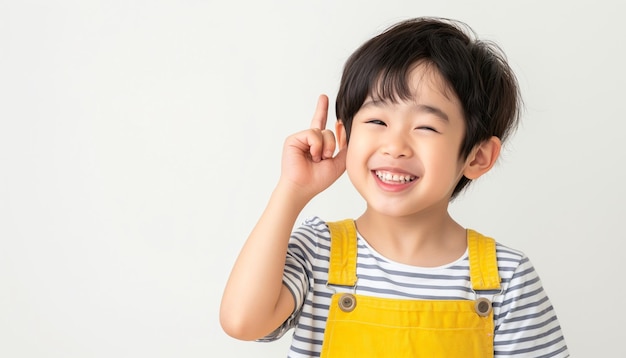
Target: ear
point(340, 133)
point(482, 158)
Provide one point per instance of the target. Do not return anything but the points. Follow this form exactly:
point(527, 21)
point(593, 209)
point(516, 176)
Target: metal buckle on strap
point(347, 301)
point(483, 305)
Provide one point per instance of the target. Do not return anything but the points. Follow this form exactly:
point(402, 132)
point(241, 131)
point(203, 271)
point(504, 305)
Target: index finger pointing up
point(321, 113)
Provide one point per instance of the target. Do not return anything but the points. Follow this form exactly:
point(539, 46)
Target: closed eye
point(377, 121)
point(428, 128)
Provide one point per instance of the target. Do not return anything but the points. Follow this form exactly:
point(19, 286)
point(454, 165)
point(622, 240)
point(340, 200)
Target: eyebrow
point(417, 107)
point(432, 110)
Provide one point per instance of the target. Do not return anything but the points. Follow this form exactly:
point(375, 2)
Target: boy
point(422, 110)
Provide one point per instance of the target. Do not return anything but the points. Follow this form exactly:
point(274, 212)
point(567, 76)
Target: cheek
point(353, 168)
point(357, 159)
point(358, 147)
point(353, 158)
point(443, 159)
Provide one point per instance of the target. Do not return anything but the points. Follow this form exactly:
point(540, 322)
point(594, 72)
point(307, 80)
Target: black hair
point(476, 71)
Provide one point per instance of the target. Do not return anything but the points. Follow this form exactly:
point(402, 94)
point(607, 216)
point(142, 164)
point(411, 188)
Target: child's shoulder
point(314, 222)
point(508, 253)
point(314, 225)
point(505, 252)
point(312, 231)
point(513, 262)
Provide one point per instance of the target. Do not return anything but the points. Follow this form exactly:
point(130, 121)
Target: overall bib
point(363, 326)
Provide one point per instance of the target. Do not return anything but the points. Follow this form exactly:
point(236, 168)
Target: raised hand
point(309, 161)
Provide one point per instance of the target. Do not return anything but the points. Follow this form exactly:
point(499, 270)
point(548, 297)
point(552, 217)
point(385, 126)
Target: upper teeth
point(399, 178)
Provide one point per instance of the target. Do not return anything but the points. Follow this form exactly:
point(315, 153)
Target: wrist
point(292, 194)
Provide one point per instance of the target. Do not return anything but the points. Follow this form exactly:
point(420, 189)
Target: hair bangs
point(391, 85)
point(394, 85)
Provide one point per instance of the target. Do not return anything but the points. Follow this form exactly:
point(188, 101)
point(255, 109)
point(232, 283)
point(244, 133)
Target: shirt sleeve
point(296, 275)
point(527, 325)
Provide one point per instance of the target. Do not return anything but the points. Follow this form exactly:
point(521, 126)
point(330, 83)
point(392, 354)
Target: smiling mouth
point(393, 178)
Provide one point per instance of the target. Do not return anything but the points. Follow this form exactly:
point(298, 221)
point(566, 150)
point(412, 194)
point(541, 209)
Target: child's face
point(403, 157)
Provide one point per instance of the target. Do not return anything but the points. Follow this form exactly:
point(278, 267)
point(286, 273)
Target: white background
point(140, 140)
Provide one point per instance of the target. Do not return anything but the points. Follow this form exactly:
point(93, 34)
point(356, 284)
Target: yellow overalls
point(362, 326)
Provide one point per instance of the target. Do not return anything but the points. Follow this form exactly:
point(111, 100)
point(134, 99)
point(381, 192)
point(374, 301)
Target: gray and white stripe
point(525, 321)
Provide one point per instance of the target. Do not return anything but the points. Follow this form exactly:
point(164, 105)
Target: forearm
point(254, 301)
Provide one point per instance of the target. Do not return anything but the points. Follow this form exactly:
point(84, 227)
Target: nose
point(397, 145)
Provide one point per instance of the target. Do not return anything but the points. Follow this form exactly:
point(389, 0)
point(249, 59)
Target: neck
point(424, 239)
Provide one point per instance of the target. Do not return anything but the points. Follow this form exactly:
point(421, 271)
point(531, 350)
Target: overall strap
point(483, 262)
point(343, 253)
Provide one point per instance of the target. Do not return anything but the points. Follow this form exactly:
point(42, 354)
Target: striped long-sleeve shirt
point(526, 324)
